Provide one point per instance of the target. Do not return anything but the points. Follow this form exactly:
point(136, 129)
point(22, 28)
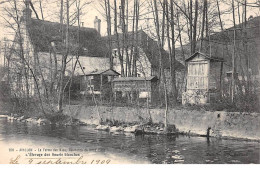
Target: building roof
point(221, 45)
point(150, 78)
point(108, 72)
point(215, 59)
point(227, 35)
point(148, 45)
point(42, 33)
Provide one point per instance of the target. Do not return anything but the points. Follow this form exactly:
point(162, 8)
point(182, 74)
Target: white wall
point(89, 64)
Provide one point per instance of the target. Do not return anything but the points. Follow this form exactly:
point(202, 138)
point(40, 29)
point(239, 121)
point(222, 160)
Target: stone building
point(42, 47)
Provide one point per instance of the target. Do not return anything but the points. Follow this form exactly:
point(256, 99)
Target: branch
point(34, 10)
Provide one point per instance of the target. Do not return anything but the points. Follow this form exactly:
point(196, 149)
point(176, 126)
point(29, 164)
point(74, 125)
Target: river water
point(123, 147)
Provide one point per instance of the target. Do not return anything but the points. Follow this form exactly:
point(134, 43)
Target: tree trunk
point(203, 24)
point(22, 56)
point(194, 36)
point(108, 18)
point(161, 67)
point(219, 16)
point(172, 62)
point(41, 9)
point(183, 55)
point(64, 62)
point(118, 41)
point(233, 56)
point(190, 21)
point(136, 50)
point(246, 51)
point(132, 40)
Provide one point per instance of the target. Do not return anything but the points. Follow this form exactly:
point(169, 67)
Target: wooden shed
point(204, 79)
point(98, 82)
point(143, 87)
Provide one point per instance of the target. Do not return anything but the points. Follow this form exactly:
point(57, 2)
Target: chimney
point(27, 12)
point(97, 24)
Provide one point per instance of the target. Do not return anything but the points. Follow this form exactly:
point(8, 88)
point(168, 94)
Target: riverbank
point(226, 125)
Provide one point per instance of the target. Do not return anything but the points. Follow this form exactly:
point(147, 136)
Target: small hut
point(140, 87)
point(98, 82)
point(204, 79)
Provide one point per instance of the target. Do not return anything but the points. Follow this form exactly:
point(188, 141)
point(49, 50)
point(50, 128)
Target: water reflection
point(157, 149)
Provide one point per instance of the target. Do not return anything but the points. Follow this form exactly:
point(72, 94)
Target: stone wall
point(228, 125)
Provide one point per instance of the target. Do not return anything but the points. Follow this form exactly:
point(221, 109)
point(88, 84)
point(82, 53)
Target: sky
point(90, 11)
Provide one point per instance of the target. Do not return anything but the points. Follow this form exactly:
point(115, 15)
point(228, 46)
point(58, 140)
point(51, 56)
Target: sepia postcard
point(129, 82)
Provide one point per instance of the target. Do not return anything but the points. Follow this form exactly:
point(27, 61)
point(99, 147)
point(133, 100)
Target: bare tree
point(233, 56)
point(136, 50)
point(194, 36)
point(64, 60)
point(109, 25)
point(161, 66)
point(203, 24)
point(219, 15)
point(172, 58)
point(118, 40)
point(40, 1)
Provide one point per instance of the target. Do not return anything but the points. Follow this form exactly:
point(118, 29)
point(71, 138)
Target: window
point(91, 88)
point(114, 53)
point(109, 78)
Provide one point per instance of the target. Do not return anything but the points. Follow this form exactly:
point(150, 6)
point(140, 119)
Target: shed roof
point(108, 72)
point(214, 59)
point(150, 78)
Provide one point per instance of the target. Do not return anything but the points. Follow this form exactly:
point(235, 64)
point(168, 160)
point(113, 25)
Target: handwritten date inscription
point(79, 160)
